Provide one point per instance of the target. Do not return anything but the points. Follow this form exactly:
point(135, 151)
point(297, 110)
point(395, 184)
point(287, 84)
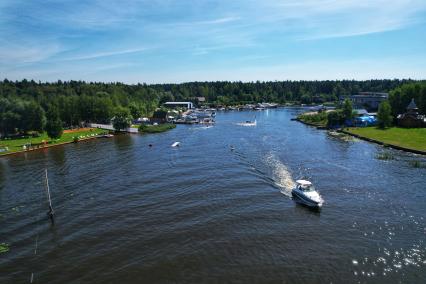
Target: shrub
point(142, 127)
point(335, 118)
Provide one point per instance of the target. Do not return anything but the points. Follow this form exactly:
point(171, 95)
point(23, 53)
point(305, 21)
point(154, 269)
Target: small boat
point(305, 193)
point(248, 123)
point(106, 136)
point(176, 144)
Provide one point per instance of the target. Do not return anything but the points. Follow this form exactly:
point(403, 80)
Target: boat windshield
point(307, 188)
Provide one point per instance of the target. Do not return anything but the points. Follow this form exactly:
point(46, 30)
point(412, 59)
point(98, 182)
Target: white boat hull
point(303, 199)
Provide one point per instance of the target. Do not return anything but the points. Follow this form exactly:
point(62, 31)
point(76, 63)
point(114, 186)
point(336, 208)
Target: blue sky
point(166, 41)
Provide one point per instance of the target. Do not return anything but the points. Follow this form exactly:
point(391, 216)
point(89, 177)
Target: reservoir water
point(206, 213)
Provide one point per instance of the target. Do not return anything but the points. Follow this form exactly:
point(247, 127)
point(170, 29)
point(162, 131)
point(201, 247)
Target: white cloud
point(216, 21)
point(26, 52)
point(106, 54)
point(342, 18)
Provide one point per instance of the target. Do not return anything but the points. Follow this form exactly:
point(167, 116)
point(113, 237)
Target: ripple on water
point(204, 212)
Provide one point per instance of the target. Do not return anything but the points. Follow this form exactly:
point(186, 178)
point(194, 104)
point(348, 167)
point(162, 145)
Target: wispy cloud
point(84, 35)
point(333, 18)
point(26, 53)
point(98, 55)
point(218, 21)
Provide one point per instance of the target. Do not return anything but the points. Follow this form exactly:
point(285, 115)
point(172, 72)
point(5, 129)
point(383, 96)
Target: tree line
point(27, 106)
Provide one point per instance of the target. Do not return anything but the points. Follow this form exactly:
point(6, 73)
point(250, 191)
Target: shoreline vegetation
point(36, 106)
point(406, 139)
point(16, 145)
point(47, 108)
point(156, 128)
point(383, 130)
point(318, 120)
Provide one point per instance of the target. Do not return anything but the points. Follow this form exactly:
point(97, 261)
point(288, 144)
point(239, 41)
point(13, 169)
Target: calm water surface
point(127, 213)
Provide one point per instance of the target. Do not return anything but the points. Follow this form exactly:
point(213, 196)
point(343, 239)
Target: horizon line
point(217, 81)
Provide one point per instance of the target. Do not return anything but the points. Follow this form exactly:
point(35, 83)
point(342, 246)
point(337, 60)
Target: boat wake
point(273, 171)
point(280, 174)
point(202, 127)
point(247, 123)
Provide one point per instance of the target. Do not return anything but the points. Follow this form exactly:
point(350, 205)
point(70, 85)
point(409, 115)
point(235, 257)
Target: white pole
point(48, 190)
point(50, 213)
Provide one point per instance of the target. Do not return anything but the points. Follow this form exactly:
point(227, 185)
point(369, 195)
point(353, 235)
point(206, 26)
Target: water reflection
point(123, 141)
point(127, 212)
point(58, 156)
point(2, 173)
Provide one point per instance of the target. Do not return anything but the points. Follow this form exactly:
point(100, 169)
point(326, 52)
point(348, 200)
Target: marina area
point(215, 207)
point(206, 115)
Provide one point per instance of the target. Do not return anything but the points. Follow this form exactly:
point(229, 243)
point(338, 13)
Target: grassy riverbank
point(16, 145)
point(411, 138)
point(156, 128)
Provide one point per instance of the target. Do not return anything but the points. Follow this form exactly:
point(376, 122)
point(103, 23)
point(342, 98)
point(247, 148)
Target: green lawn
point(15, 145)
point(413, 138)
point(157, 128)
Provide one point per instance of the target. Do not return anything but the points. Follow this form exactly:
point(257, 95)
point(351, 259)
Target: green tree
point(54, 124)
point(103, 110)
point(384, 115)
point(335, 118)
point(122, 119)
point(306, 99)
point(9, 122)
point(135, 110)
point(347, 109)
point(34, 118)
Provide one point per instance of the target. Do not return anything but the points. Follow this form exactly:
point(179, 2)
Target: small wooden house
point(411, 118)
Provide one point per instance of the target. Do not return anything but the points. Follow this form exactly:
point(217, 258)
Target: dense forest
point(29, 105)
point(305, 92)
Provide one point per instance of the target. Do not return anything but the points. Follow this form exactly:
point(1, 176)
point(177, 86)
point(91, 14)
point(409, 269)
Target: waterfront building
point(411, 118)
point(368, 100)
point(187, 105)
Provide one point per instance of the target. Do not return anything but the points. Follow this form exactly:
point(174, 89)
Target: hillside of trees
point(24, 104)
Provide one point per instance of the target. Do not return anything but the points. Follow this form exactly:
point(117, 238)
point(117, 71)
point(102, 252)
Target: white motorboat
point(176, 144)
point(305, 193)
point(248, 123)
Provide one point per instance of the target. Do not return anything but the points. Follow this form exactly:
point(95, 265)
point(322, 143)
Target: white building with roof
point(187, 105)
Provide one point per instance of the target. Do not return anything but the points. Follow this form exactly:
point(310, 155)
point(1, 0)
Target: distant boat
point(176, 144)
point(248, 123)
point(305, 193)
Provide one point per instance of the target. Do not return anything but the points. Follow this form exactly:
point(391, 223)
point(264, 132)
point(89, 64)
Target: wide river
point(203, 213)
